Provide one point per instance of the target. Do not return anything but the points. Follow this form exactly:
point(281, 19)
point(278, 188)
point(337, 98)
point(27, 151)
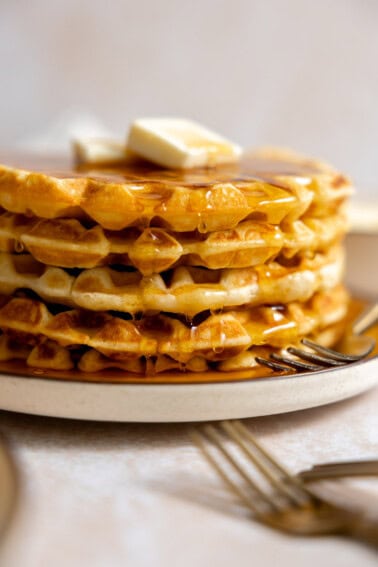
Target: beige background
point(297, 72)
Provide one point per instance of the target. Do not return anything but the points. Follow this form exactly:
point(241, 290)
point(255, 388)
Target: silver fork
point(354, 346)
point(279, 499)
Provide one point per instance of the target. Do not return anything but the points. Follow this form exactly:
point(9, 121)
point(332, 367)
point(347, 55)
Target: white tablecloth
point(108, 494)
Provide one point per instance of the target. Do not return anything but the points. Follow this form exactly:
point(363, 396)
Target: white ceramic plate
point(201, 401)
point(184, 402)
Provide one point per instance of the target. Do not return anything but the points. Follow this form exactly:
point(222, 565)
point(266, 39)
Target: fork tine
point(311, 357)
point(296, 364)
point(335, 354)
point(366, 319)
point(218, 442)
point(291, 480)
point(200, 441)
point(272, 365)
point(236, 431)
point(209, 432)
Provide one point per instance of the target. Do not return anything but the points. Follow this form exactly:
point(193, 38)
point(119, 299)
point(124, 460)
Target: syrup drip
point(19, 247)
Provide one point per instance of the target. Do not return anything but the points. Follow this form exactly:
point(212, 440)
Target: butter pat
point(177, 143)
point(99, 151)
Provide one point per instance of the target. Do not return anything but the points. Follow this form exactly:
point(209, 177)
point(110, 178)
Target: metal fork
point(279, 499)
point(354, 346)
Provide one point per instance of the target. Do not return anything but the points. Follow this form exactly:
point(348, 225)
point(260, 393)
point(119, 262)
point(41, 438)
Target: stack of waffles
point(148, 270)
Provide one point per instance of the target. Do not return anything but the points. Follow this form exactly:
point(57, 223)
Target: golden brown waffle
point(270, 186)
point(51, 356)
point(93, 361)
point(218, 337)
point(211, 342)
point(185, 290)
point(67, 243)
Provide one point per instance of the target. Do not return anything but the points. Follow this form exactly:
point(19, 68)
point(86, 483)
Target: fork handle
point(364, 530)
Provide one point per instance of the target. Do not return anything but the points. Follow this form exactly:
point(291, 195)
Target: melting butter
point(180, 144)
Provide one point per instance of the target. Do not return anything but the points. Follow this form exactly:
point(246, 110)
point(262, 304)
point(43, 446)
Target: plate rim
point(195, 402)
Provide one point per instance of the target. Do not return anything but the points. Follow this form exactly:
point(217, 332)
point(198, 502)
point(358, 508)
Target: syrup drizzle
point(251, 167)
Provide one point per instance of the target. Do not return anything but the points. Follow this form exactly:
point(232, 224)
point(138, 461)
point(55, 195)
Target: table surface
point(109, 494)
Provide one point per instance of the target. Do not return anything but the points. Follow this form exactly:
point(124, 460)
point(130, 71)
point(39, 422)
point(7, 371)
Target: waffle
point(184, 290)
point(48, 355)
point(51, 356)
point(271, 186)
point(93, 361)
point(218, 337)
point(69, 244)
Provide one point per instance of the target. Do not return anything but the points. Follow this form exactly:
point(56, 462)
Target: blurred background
point(296, 73)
